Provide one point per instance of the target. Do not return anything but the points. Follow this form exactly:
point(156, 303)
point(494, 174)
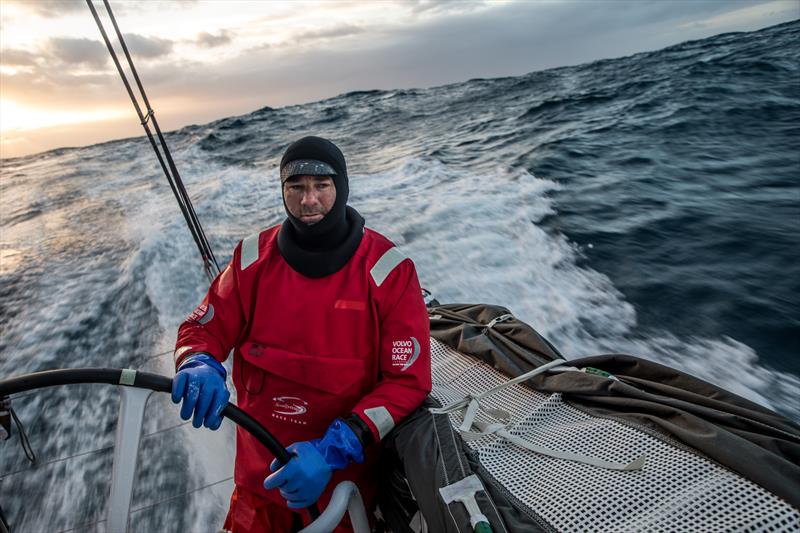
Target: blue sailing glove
point(200, 383)
point(304, 478)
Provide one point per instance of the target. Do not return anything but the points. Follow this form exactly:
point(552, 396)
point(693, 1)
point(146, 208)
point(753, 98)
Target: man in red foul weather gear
point(330, 340)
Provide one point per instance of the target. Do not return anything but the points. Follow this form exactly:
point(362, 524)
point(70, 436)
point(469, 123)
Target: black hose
point(142, 380)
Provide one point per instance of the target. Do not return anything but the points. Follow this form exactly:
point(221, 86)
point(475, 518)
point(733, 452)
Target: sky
point(202, 60)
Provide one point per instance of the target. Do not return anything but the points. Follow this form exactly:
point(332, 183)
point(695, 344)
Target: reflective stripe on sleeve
point(249, 251)
point(179, 352)
point(382, 419)
point(390, 259)
point(205, 319)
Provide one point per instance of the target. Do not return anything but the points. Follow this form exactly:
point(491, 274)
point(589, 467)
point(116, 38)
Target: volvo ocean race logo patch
point(404, 353)
point(289, 405)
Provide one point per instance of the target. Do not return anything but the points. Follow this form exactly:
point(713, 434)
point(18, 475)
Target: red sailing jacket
point(309, 350)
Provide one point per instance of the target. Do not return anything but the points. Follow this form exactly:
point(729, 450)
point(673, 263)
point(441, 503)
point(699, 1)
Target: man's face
point(309, 198)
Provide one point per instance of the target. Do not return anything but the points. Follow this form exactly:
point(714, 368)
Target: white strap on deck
point(472, 404)
point(501, 431)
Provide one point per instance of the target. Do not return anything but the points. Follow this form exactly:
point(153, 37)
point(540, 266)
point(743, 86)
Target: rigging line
point(150, 506)
point(144, 508)
point(135, 103)
point(151, 115)
point(180, 495)
point(18, 396)
point(184, 202)
point(150, 357)
point(178, 197)
point(168, 428)
point(53, 461)
point(3, 522)
point(82, 527)
point(23, 437)
point(89, 452)
point(167, 154)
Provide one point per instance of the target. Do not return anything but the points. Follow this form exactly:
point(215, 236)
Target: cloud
point(71, 71)
point(210, 40)
point(147, 47)
point(56, 86)
point(60, 8)
point(51, 8)
point(444, 6)
point(17, 58)
point(77, 51)
point(327, 33)
point(450, 42)
point(742, 15)
point(305, 39)
point(499, 40)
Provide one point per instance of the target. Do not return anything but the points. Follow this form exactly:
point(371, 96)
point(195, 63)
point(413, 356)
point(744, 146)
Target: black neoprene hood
point(319, 149)
point(317, 250)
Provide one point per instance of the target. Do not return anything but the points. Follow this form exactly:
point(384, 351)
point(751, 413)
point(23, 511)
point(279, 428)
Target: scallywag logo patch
point(289, 409)
point(404, 353)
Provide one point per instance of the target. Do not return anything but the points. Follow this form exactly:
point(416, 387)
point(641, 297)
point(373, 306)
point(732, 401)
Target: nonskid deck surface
point(676, 490)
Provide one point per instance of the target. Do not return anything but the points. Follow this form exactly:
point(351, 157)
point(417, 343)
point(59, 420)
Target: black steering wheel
point(142, 380)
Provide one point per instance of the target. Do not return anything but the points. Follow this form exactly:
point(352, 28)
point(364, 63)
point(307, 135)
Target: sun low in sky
point(203, 60)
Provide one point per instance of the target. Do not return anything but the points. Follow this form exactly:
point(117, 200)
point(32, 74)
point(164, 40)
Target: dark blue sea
point(648, 204)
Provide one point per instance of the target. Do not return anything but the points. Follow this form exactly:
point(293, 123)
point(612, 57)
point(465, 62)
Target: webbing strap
point(471, 405)
point(472, 402)
point(500, 431)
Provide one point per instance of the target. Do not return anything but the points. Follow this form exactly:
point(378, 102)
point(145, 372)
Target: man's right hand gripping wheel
point(200, 384)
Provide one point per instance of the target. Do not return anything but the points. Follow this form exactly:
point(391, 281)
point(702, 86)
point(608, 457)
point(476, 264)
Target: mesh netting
point(677, 490)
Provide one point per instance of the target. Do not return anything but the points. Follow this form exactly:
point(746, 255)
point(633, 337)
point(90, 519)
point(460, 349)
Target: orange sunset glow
point(203, 60)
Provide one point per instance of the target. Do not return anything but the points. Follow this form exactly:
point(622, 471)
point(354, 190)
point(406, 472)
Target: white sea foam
point(474, 237)
point(477, 238)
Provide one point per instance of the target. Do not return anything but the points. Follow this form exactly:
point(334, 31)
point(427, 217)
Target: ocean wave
point(645, 204)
